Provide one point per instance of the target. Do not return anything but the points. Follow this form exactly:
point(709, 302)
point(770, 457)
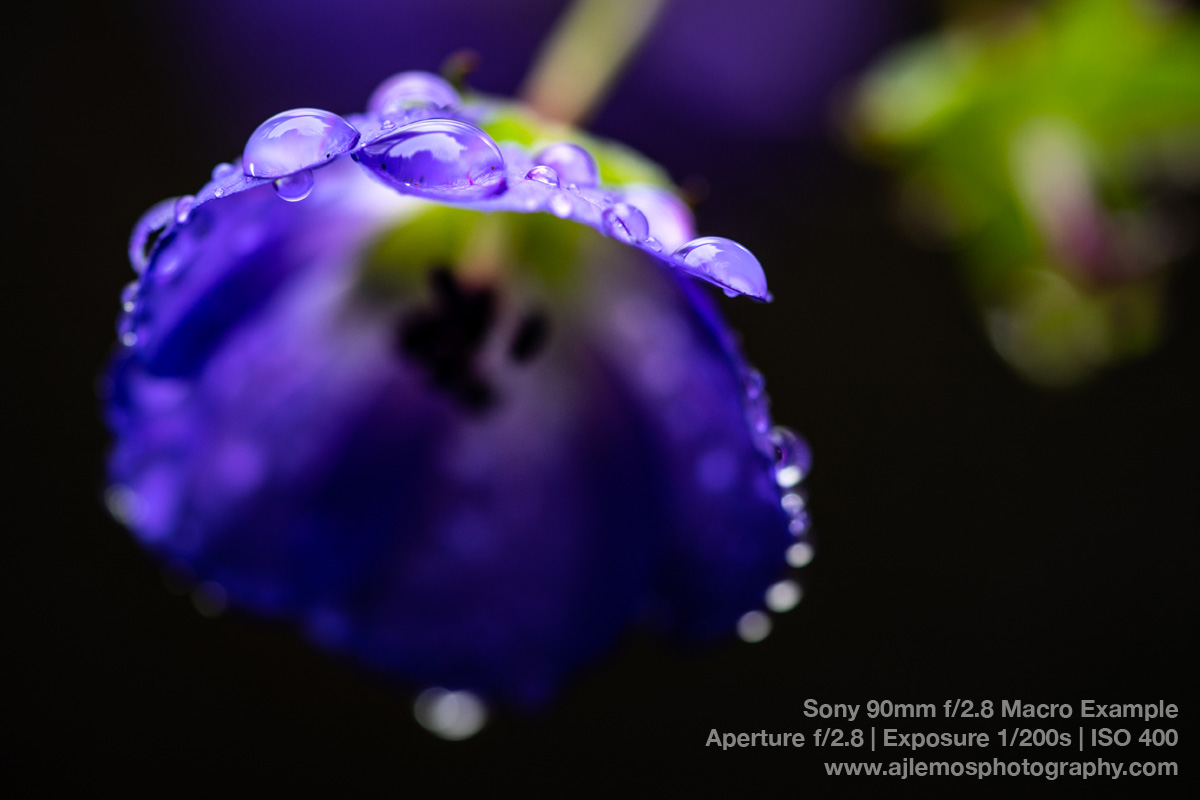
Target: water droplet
point(543, 174)
point(654, 244)
point(129, 339)
point(725, 263)
point(295, 188)
point(800, 523)
point(407, 90)
point(129, 296)
point(669, 217)
point(147, 232)
point(800, 555)
point(793, 457)
point(755, 384)
point(450, 715)
point(783, 596)
point(218, 192)
point(438, 158)
point(299, 139)
point(573, 164)
point(183, 207)
point(223, 170)
point(623, 221)
point(754, 626)
point(560, 206)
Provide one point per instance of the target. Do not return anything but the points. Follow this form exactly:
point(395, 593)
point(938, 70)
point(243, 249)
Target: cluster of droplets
point(418, 138)
point(792, 460)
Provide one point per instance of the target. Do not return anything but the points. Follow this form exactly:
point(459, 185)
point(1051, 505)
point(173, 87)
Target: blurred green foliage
point(1045, 142)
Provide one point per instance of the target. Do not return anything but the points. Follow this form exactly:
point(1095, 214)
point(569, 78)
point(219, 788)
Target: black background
point(979, 538)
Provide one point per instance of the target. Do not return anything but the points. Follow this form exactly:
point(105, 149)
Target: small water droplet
point(129, 339)
point(295, 140)
point(669, 217)
point(800, 555)
point(573, 164)
point(407, 90)
point(793, 457)
point(800, 523)
point(754, 626)
point(560, 206)
point(438, 158)
point(654, 244)
point(218, 192)
point(792, 503)
point(223, 170)
point(755, 383)
point(623, 221)
point(543, 174)
point(783, 596)
point(725, 263)
point(450, 715)
point(129, 296)
point(295, 188)
point(183, 207)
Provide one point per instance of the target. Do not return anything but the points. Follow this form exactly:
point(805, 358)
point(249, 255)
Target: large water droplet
point(294, 188)
point(543, 174)
point(407, 90)
point(725, 263)
point(623, 221)
point(438, 158)
point(573, 164)
point(793, 457)
point(295, 140)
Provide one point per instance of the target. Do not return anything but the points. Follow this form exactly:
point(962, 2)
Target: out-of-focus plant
point(1046, 143)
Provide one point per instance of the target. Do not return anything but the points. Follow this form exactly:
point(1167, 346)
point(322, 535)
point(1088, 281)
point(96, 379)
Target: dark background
point(978, 538)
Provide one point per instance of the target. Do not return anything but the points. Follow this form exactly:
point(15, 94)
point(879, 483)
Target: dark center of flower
point(446, 337)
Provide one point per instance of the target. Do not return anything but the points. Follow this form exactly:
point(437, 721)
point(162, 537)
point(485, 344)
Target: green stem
point(584, 55)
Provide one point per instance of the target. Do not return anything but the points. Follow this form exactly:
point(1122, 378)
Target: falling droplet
point(183, 207)
point(793, 457)
point(223, 170)
point(407, 90)
point(295, 188)
point(296, 140)
point(438, 158)
point(783, 596)
point(573, 164)
point(623, 221)
point(450, 715)
point(543, 174)
point(725, 263)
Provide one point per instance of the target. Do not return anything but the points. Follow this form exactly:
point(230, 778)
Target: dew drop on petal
point(560, 206)
point(793, 457)
point(183, 207)
point(725, 263)
point(800, 554)
point(783, 596)
point(223, 170)
point(407, 90)
point(573, 164)
point(654, 244)
point(669, 217)
point(543, 174)
point(295, 140)
point(129, 296)
point(294, 188)
point(623, 221)
point(754, 626)
point(438, 158)
point(450, 715)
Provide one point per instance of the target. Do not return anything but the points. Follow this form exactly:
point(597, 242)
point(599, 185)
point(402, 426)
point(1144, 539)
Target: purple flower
point(471, 449)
